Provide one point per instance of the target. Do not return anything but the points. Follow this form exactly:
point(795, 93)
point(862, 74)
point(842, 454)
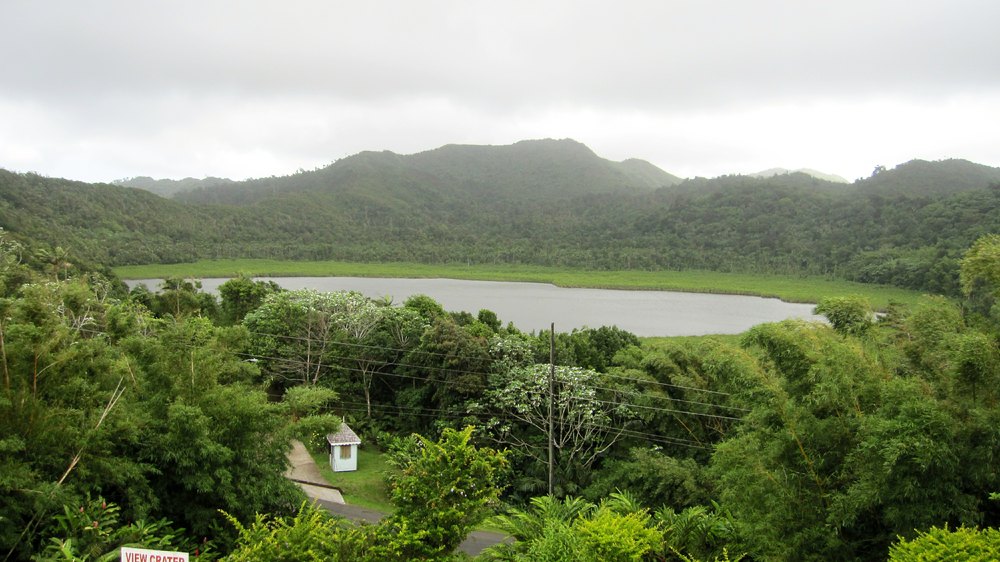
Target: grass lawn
point(364, 487)
point(786, 287)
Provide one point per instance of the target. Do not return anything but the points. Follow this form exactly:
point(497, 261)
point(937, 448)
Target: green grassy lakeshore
point(786, 287)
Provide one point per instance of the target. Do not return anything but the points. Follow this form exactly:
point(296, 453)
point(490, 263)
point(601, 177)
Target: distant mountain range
point(549, 202)
point(632, 172)
point(169, 188)
point(807, 171)
point(542, 168)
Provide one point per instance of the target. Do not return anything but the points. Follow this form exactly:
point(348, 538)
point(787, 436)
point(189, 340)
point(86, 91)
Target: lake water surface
point(534, 306)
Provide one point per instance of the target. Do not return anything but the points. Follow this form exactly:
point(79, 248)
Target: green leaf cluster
point(574, 529)
point(94, 532)
point(942, 543)
point(98, 398)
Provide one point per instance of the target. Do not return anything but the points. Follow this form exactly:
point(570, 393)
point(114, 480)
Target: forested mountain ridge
point(94, 220)
point(167, 188)
point(921, 177)
point(770, 172)
point(537, 168)
point(535, 202)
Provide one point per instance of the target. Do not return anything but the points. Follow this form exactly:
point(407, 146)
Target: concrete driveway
point(304, 472)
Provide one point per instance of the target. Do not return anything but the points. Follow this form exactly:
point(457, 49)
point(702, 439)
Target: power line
point(405, 351)
point(437, 413)
point(462, 371)
point(441, 413)
point(445, 382)
point(257, 357)
point(252, 356)
point(671, 399)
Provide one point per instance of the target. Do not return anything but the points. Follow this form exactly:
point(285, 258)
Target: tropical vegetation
point(163, 419)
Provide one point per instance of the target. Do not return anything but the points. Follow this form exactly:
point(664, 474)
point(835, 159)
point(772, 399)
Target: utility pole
point(552, 392)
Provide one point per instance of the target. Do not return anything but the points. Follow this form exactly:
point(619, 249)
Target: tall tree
point(982, 263)
point(589, 416)
point(242, 295)
point(291, 335)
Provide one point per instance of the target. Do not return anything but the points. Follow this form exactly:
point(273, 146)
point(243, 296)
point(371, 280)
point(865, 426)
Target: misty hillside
point(920, 177)
point(535, 202)
point(770, 172)
point(539, 168)
point(167, 188)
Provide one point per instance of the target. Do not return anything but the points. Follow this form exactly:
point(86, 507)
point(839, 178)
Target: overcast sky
point(101, 90)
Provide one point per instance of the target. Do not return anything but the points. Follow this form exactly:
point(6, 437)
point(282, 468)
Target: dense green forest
point(536, 202)
point(163, 419)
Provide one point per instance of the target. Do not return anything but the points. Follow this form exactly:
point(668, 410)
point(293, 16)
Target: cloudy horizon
point(104, 90)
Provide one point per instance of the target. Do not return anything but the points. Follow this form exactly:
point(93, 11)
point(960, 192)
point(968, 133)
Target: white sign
point(130, 554)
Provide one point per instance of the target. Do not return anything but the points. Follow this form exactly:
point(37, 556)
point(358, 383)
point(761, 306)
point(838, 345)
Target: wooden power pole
point(552, 392)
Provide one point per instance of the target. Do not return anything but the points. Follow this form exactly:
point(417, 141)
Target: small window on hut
point(345, 452)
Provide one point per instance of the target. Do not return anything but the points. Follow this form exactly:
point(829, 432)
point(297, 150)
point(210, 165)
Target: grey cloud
point(220, 84)
point(649, 54)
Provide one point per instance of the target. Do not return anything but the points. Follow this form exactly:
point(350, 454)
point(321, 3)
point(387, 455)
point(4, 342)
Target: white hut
point(343, 449)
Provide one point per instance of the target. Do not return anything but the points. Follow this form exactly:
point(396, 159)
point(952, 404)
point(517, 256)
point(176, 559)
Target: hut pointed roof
point(344, 436)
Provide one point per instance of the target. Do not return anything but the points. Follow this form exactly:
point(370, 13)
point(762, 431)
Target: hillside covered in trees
point(535, 202)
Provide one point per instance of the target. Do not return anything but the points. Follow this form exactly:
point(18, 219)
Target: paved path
point(303, 470)
point(473, 544)
point(477, 541)
point(352, 512)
